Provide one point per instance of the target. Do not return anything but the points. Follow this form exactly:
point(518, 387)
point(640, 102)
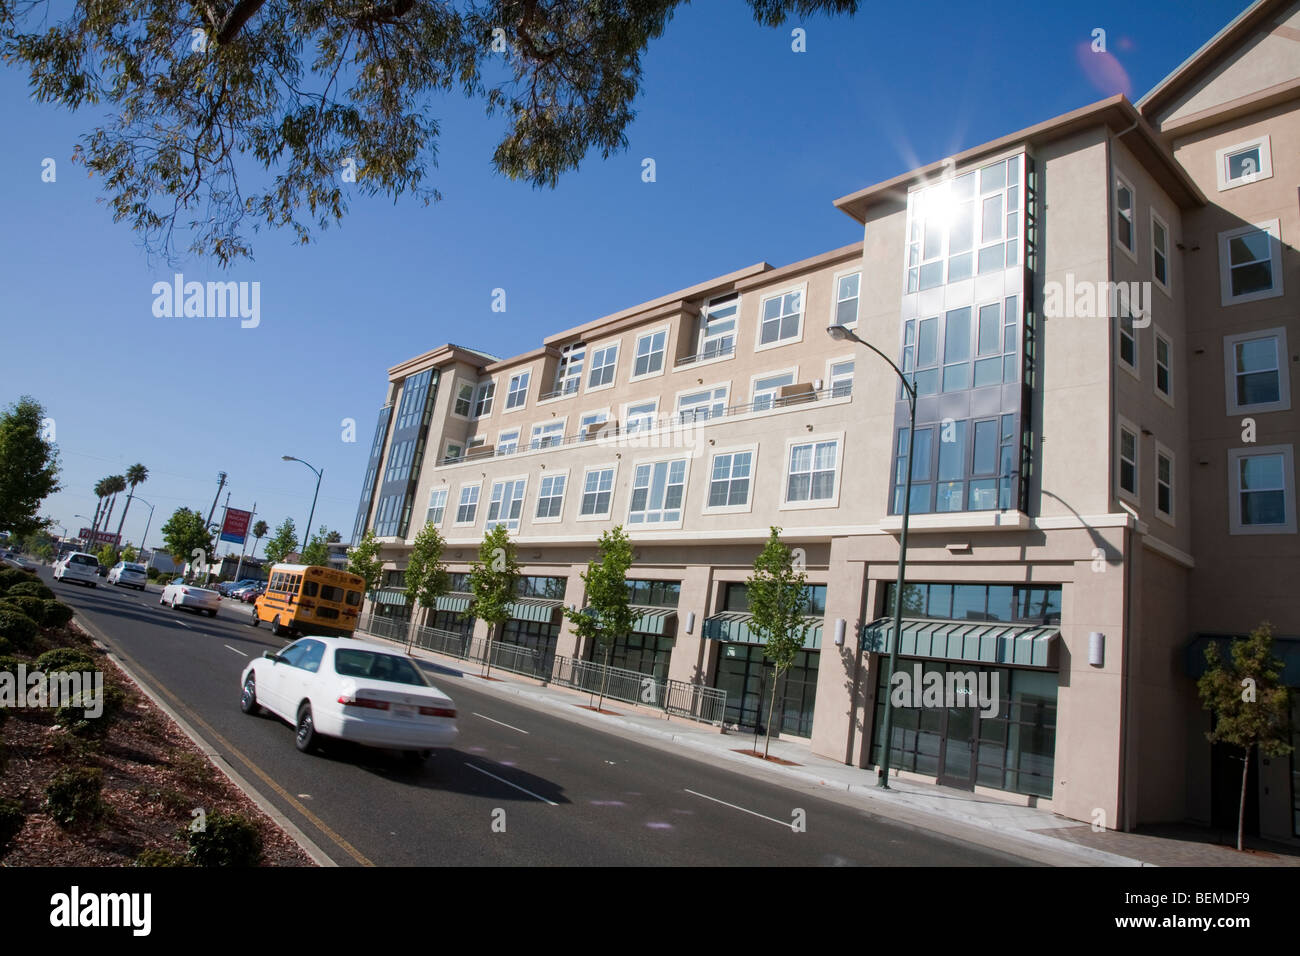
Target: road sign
point(236, 526)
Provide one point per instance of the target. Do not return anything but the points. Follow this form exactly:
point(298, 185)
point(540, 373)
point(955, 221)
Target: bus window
point(309, 589)
point(354, 598)
point(330, 593)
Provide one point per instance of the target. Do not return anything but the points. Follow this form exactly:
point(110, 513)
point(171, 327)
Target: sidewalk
point(1067, 842)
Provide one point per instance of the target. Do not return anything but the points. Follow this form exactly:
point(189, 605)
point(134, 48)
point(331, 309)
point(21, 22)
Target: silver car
point(78, 566)
point(128, 575)
point(179, 594)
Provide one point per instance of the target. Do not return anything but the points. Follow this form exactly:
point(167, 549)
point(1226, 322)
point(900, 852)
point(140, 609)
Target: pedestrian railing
point(705, 704)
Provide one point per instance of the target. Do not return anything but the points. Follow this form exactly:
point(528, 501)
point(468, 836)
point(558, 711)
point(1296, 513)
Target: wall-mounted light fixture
point(690, 622)
point(839, 632)
point(1097, 649)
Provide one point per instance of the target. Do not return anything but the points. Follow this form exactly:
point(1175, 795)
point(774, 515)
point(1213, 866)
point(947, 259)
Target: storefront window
point(746, 675)
point(998, 603)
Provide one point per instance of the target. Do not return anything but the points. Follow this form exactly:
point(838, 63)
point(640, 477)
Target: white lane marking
point(235, 649)
point(784, 823)
point(509, 784)
point(501, 722)
point(182, 624)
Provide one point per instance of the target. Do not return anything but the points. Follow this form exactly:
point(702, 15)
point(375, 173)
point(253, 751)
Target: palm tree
point(135, 475)
point(259, 532)
point(101, 492)
point(113, 484)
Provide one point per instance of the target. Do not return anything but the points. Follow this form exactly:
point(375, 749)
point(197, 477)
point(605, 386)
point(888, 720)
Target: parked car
point(178, 594)
point(78, 566)
point(227, 588)
point(128, 575)
point(340, 687)
point(13, 559)
point(249, 592)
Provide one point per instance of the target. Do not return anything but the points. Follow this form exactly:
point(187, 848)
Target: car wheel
point(415, 758)
point(254, 620)
point(212, 612)
point(248, 699)
point(277, 628)
point(306, 738)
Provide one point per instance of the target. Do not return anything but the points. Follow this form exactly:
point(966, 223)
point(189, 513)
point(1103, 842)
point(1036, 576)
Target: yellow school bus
point(306, 599)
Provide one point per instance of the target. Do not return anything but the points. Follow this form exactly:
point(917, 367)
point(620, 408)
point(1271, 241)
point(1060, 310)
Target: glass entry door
point(957, 762)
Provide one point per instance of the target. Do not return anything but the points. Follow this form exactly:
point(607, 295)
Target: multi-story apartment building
point(1090, 310)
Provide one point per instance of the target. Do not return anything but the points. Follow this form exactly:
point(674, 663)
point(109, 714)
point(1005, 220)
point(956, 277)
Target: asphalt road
point(521, 787)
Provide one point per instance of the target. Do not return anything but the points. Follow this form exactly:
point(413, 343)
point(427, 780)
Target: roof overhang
point(976, 642)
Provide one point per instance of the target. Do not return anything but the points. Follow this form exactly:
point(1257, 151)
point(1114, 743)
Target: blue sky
point(751, 143)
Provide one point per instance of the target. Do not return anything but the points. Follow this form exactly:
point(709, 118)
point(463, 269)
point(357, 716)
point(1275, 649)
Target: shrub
point(73, 796)
point(57, 614)
point(11, 576)
point(17, 628)
point(73, 716)
point(32, 588)
point(229, 839)
point(5, 648)
point(11, 821)
point(159, 858)
point(28, 604)
point(64, 658)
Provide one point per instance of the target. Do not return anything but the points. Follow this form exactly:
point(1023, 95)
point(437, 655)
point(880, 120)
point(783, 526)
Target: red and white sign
point(100, 537)
point(236, 525)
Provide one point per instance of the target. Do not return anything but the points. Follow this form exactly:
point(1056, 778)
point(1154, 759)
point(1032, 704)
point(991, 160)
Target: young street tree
point(184, 533)
point(29, 466)
point(492, 580)
point(607, 616)
point(317, 551)
point(778, 601)
point(222, 111)
point(364, 561)
point(426, 576)
point(284, 541)
point(1251, 708)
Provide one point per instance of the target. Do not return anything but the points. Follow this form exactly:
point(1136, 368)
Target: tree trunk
point(771, 709)
point(108, 515)
point(122, 520)
point(487, 657)
point(1241, 812)
point(604, 680)
point(410, 631)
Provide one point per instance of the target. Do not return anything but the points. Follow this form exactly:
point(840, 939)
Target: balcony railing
point(707, 355)
point(686, 418)
point(569, 387)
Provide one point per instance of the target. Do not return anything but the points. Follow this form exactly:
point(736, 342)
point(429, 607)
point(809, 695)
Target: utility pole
point(221, 483)
point(217, 544)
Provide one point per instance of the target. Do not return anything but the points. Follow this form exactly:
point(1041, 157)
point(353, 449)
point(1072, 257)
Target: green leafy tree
point(259, 532)
point(1251, 707)
point(129, 553)
point(426, 576)
point(29, 465)
point(333, 537)
point(278, 115)
point(317, 551)
point(778, 601)
point(106, 556)
point(607, 616)
point(283, 542)
point(364, 560)
point(135, 475)
point(492, 580)
point(184, 533)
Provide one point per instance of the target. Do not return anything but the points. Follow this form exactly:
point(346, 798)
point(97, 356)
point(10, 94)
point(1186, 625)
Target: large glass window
point(1250, 263)
point(702, 405)
point(813, 467)
point(718, 326)
point(1258, 371)
point(657, 492)
point(1261, 489)
point(506, 504)
point(467, 509)
point(970, 461)
point(568, 375)
point(508, 441)
point(650, 353)
point(597, 491)
point(464, 399)
point(437, 505)
point(603, 362)
point(846, 299)
point(415, 391)
point(767, 388)
point(781, 317)
point(641, 416)
point(841, 378)
point(517, 394)
point(729, 480)
point(547, 435)
point(550, 496)
point(483, 398)
point(999, 603)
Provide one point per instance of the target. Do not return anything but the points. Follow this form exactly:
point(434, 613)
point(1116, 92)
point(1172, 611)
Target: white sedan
point(353, 690)
point(179, 594)
point(128, 575)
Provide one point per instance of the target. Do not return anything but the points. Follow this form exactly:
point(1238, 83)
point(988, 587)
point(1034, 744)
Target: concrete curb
point(305, 843)
point(868, 792)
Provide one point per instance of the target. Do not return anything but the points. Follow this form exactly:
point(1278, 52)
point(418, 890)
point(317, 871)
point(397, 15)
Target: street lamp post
point(839, 334)
point(92, 530)
point(307, 531)
point(144, 540)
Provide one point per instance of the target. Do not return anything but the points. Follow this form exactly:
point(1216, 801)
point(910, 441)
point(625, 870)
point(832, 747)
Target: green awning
point(454, 601)
point(537, 610)
point(390, 596)
point(734, 626)
point(1285, 649)
point(980, 642)
point(649, 620)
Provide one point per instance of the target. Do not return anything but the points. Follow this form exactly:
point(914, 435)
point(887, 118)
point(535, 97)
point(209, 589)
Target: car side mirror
point(271, 656)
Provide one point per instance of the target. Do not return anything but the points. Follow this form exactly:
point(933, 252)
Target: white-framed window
point(649, 354)
point(1129, 453)
point(839, 377)
point(1256, 371)
point(1126, 343)
point(1261, 485)
point(483, 398)
point(702, 404)
point(848, 291)
point(1164, 483)
point(464, 404)
point(718, 326)
point(548, 434)
point(780, 319)
point(658, 490)
point(1125, 228)
point(731, 477)
point(1245, 163)
point(475, 442)
point(597, 492)
point(517, 394)
point(568, 374)
point(640, 416)
point(507, 441)
point(506, 504)
point(437, 506)
point(1164, 372)
point(763, 389)
point(604, 362)
point(588, 419)
point(454, 452)
point(1160, 251)
point(550, 496)
point(467, 507)
point(1250, 263)
point(812, 472)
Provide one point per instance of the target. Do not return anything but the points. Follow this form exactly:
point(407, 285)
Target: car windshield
point(133, 567)
point(399, 670)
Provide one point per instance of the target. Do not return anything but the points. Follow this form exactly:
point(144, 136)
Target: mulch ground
point(769, 759)
point(597, 710)
point(154, 778)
